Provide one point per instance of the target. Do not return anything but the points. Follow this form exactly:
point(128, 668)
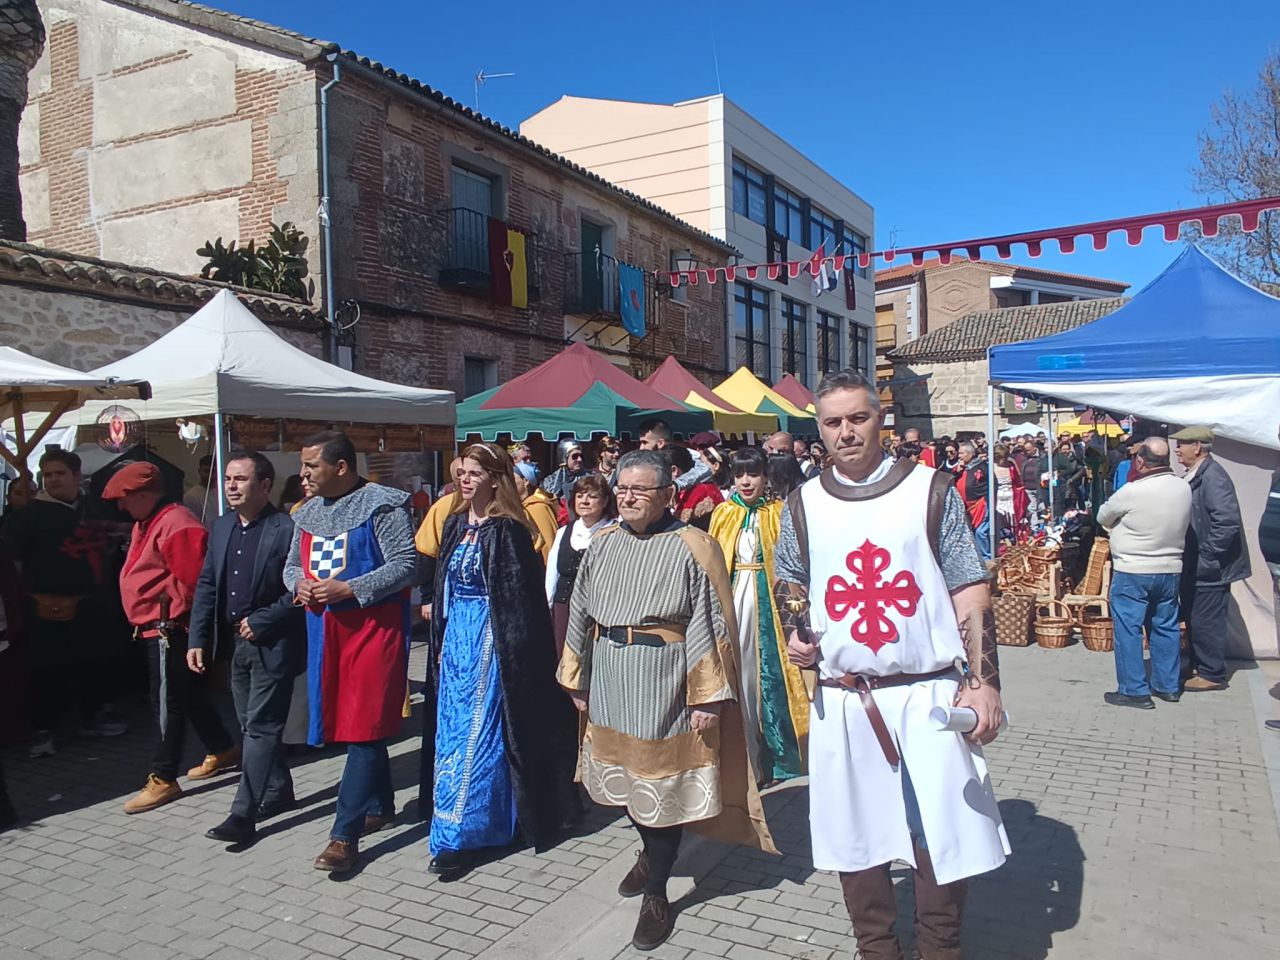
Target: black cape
point(540, 721)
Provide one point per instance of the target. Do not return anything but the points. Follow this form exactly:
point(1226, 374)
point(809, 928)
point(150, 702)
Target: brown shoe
point(215, 763)
point(338, 857)
point(632, 884)
point(1199, 684)
point(372, 824)
point(655, 923)
point(156, 793)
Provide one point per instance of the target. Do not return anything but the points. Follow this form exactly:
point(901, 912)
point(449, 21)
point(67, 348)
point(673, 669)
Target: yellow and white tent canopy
point(745, 390)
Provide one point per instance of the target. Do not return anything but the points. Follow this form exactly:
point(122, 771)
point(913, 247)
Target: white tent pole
point(220, 461)
point(1051, 448)
point(993, 522)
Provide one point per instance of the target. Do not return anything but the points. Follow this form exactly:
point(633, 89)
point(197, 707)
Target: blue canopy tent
point(1197, 345)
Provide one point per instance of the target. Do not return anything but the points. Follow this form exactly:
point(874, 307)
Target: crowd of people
point(667, 631)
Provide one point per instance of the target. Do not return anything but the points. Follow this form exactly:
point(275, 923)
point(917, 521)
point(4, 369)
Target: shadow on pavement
point(787, 811)
point(1016, 910)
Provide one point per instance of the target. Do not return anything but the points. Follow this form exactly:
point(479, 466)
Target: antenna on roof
point(715, 58)
point(481, 77)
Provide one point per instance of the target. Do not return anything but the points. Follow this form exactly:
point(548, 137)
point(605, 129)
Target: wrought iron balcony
point(466, 261)
point(591, 285)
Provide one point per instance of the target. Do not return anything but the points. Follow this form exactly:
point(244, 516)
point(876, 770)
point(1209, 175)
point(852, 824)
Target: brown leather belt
point(654, 635)
point(862, 684)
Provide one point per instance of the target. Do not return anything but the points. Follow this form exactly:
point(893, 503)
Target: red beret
point(707, 438)
point(133, 478)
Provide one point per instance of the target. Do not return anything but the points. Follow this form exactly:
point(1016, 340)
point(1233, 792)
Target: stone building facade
point(84, 312)
point(941, 384)
point(156, 125)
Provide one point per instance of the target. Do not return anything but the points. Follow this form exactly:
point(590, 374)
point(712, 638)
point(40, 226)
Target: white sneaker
point(42, 745)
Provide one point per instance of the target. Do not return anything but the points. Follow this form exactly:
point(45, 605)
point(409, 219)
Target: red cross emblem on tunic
point(872, 595)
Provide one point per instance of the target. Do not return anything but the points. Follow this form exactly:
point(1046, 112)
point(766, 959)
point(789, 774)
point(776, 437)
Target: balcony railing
point(466, 261)
point(591, 284)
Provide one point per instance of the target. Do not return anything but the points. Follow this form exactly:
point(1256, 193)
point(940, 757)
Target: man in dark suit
point(241, 607)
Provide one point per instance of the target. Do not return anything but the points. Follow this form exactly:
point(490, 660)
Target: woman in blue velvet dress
point(501, 739)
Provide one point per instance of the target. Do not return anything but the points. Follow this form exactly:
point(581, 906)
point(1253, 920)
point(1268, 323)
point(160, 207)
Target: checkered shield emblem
point(328, 557)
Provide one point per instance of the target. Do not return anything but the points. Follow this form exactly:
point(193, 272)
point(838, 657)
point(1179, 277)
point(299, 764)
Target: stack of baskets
point(1014, 602)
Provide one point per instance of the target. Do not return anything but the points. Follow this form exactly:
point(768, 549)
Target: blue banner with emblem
point(631, 298)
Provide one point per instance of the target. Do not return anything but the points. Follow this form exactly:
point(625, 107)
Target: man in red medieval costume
point(351, 565)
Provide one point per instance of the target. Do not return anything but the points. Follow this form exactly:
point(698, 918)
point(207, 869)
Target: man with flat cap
point(1215, 558)
point(157, 586)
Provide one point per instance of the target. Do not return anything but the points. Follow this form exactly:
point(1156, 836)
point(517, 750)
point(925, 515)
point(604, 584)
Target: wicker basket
point(1097, 630)
point(1014, 612)
point(1053, 631)
point(1011, 572)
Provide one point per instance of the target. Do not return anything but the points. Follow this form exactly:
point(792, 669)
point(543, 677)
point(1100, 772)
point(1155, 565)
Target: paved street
point(1136, 834)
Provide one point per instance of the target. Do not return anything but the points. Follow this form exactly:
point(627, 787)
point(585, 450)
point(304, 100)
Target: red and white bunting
point(1171, 223)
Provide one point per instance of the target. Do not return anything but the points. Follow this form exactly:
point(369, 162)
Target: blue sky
point(952, 120)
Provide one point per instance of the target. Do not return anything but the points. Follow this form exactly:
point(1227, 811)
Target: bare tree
point(21, 41)
point(1240, 160)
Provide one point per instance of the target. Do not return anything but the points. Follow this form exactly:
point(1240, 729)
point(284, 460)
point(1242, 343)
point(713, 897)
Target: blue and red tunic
point(357, 650)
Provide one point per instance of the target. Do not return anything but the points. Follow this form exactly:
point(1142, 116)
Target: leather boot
point(156, 793)
point(338, 857)
point(214, 764)
point(868, 896)
point(939, 911)
point(655, 924)
point(632, 884)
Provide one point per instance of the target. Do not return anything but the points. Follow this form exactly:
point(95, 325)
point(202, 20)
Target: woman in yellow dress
point(774, 704)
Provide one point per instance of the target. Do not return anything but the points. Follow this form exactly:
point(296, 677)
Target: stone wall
point(144, 138)
point(952, 400)
point(84, 332)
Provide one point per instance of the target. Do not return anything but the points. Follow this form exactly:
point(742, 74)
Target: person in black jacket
point(242, 609)
point(1215, 558)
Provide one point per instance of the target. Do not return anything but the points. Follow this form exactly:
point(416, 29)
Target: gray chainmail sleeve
point(787, 563)
point(293, 565)
point(393, 529)
point(961, 564)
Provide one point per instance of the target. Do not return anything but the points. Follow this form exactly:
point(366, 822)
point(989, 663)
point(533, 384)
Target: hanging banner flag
point(631, 298)
point(823, 269)
point(518, 268)
point(499, 272)
point(850, 294)
point(777, 244)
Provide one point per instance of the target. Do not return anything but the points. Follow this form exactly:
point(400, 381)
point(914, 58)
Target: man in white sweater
point(1148, 520)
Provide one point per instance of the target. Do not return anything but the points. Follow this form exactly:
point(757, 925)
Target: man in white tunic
point(880, 589)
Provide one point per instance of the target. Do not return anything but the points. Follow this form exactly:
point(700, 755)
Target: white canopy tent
point(35, 393)
point(224, 361)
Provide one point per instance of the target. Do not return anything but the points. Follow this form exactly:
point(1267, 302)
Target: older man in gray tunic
point(650, 659)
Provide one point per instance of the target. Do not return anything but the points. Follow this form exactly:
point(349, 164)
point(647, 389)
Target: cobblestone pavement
point(1136, 834)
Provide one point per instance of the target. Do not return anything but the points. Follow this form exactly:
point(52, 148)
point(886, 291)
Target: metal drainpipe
point(327, 219)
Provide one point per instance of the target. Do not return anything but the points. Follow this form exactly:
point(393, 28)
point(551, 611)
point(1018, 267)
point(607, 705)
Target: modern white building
point(711, 164)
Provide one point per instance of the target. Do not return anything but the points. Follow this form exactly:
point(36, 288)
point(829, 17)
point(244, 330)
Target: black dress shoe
point(451, 865)
point(1117, 699)
point(655, 924)
point(1167, 697)
point(1272, 725)
point(234, 829)
point(273, 808)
